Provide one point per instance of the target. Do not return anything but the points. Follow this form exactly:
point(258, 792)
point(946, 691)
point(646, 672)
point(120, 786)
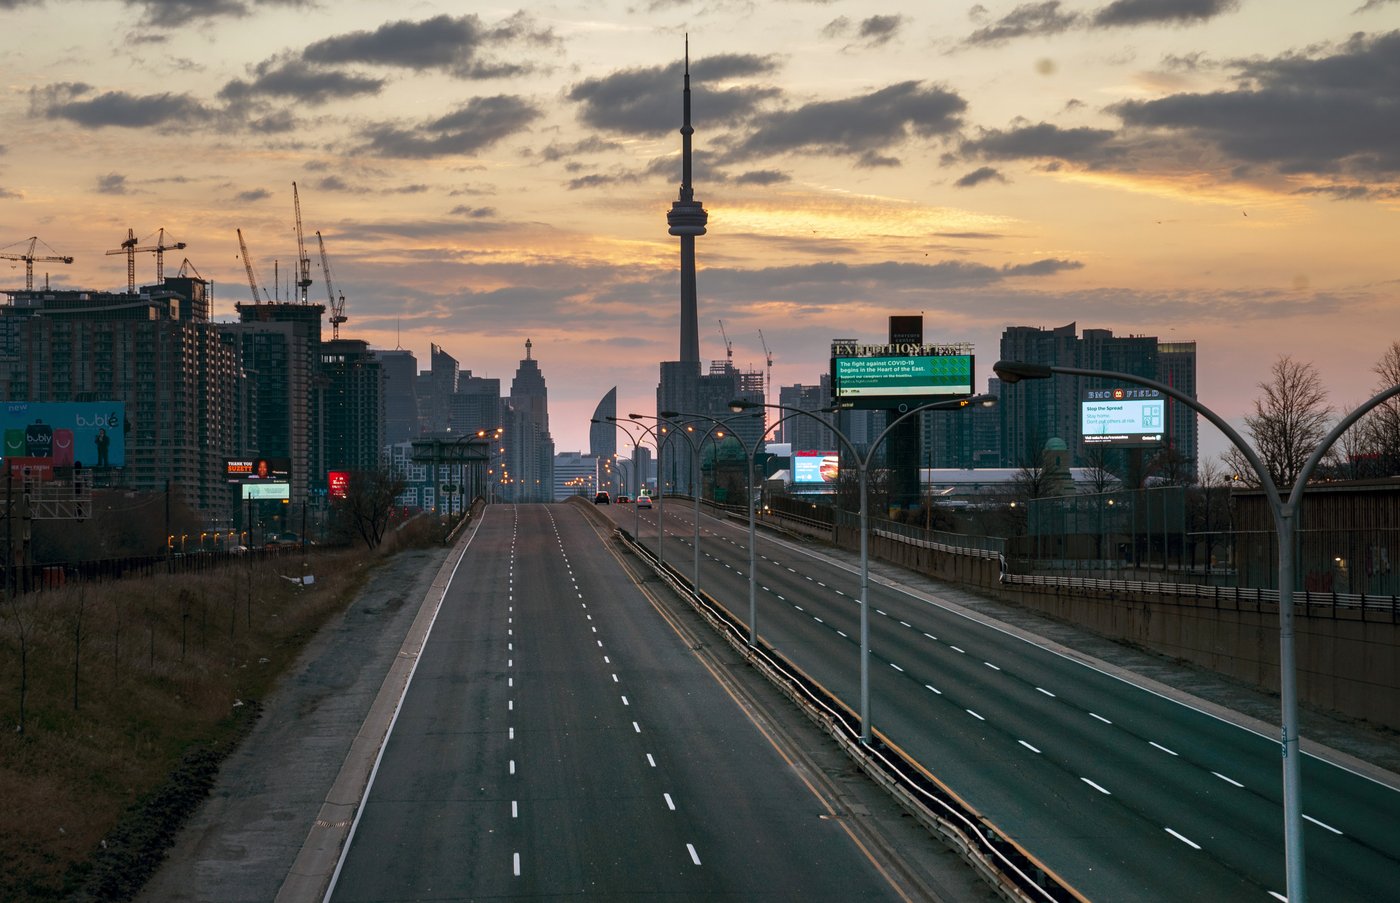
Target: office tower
point(1176, 366)
point(575, 473)
point(352, 408)
point(435, 388)
point(280, 349)
point(807, 433)
point(476, 406)
point(400, 395)
point(528, 444)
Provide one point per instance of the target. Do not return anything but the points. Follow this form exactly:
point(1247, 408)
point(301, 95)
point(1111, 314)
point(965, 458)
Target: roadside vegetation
point(118, 702)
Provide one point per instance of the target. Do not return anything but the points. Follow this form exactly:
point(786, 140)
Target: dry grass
point(168, 670)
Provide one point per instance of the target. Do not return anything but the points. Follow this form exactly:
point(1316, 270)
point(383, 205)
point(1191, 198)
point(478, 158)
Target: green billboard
point(900, 381)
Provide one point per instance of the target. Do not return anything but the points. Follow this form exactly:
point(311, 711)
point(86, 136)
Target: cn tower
point(687, 219)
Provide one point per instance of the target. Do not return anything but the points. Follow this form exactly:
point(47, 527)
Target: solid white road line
point(1321, 824)
point(1028, 746)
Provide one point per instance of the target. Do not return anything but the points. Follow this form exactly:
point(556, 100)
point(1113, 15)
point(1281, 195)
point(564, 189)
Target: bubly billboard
point(65, 433)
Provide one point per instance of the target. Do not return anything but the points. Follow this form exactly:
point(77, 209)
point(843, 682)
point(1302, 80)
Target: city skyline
point(1154, 168)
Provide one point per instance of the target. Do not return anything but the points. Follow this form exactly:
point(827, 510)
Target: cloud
point(112, 183)
point(453, 45)
point(762, 177)
point(175, 13)
point(252, 195)
point(1043, 140)
point(9, 193)
point(645, 101)
point(978, 176)
point(1029, 19)
point(473, 212)
point(1161, 12)
point(1332, 114)
point(480, 123)
point(1350, 192)
point(856, 126)
point(295, 79)
point(591, 145)
point(114, 108)
point(1372, 4)
point(874, 31)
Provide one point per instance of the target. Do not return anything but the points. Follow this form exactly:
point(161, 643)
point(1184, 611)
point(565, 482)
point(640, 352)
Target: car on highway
point(602, 498)
point(643, 501)
point(623, 500)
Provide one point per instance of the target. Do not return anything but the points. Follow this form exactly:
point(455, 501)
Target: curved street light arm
point(1342, 426)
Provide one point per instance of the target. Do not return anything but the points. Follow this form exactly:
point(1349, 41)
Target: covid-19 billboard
point(1130, 417)
point(65, 434)
point(812, 467)
point(900, 381)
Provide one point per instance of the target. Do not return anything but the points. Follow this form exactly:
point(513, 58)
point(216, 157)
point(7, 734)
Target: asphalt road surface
point(1123, 793)
point(559, 738)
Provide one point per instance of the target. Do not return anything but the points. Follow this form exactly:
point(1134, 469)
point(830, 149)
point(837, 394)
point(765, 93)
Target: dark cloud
point(878, 30)
point(252, 195)
point(480, 123)
point(473, 212)
point(762, 177)
point(1042, 141)
point(1029, 19)
point(175, 13)
point(339, 185)
point(591, 145)
point(856, 126)
point(643, 101)
point(1332, 114)
point(451, 44)
point(978, 176)
point(798, 280)
point(837, 27)
point(1161, 12)
point(112, 183)
point(295, 79)
point(1373, 4)
point(9, 193)
point(276, 122)
point(967, 235)
point(115, 108)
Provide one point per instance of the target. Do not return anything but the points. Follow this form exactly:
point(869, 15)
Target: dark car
point(601, 499)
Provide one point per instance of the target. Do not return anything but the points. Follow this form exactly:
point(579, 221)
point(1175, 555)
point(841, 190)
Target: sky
point(1219, 171)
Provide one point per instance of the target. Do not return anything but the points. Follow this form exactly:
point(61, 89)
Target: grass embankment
point(134, 692)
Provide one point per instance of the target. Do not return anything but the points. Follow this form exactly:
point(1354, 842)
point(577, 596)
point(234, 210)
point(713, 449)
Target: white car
point(643, 501)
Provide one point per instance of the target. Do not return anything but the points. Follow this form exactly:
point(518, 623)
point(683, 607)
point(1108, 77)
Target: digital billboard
point(266, 491)
point(900, 381)
point(337, 483)
point(815, 467)
point(1125, 417)
point(92, 434)
point(261, 468)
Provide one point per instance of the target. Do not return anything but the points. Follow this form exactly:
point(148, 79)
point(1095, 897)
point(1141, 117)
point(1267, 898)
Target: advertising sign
point(65, 433)
point(30, 468)
point(258, 469)
point(1123, 417)
point(815, 467)
point(257, 490)
point(337, 483)
point(895, 381)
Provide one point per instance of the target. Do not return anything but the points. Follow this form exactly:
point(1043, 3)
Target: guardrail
point(1314, 603)
point(1012, 870)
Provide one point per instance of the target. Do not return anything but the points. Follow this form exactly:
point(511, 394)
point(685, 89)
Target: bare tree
point(1384, 419)
point(368, 502)
point(1101, 477)
point(1289, 420)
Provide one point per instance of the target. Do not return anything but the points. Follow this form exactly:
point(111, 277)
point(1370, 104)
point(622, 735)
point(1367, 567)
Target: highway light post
point(862, 473)
point(660, 492)
point(636, 515)
point(1285, 515)
point(749, 455)
point(684, 430)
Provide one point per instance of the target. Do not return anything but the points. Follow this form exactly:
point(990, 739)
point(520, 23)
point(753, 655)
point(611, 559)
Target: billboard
point(1129, 417)
point(261, 468)
point(815, 467)
point(92, 433)
point(267, 490)
point(900, 381)
point(337, 483)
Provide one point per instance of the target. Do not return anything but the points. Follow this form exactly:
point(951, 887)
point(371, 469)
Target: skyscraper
point(400, 397)
point(531, 448)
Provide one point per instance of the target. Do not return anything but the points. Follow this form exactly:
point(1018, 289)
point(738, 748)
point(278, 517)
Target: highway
point(559, 738)
point(1122, 793)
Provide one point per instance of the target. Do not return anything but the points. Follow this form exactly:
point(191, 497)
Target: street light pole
point(862, 469)
point(1285, 523)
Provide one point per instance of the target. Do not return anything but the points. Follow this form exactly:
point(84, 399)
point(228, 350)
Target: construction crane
point(248, 265)
point(768, 383)
point(337, 301)
point(131, 247)
point(728, 346)
point(29, 258)
point(303, 262)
